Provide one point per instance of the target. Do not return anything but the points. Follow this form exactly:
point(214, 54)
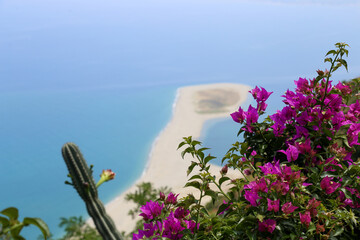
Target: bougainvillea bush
point(298, 175)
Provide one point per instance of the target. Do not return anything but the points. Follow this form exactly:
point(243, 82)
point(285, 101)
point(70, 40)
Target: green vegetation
point(10, 226)
point(305, 174)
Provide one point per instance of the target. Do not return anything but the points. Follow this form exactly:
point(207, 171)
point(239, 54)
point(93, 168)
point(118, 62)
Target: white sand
point(165, 166)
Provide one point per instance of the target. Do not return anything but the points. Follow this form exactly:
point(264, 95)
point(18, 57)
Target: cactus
point(83, 182)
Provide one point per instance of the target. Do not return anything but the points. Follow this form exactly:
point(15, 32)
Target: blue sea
point(104, 74)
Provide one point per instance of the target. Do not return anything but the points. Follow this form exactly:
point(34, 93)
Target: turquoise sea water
point(104, 75)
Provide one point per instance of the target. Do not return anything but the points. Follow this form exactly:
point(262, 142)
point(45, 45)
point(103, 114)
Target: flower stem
point(328, 78)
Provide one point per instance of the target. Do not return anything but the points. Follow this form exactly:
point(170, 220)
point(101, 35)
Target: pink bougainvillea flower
point(288, 174)
point(162, 195)
point(191, 225)
point(344, 89)
point(278, 128)
point(267, 225)
point(302, 85)
point(270, 168)
point(238, 116)
point(259, 185)
point(252, 197)
point(151, 210)
point(328, 185)
point(305, 218)
point(292, 153)
point(279, 123)
point(261, 106)
point(354, 110)
point(181, 213)
point(171, 198)
point(281, 187)
point(172, 227)
point(312, 205)
point(260, 95)
point(273, 205)
point(296, 100)
point(330, 162)
point(251, 116)
point(288, 208)
point(149, 230)
point(353, 134)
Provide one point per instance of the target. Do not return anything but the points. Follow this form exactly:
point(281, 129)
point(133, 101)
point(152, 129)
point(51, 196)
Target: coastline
point(192, 107)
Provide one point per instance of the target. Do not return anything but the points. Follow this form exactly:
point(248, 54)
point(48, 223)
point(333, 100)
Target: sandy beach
point(193, 106)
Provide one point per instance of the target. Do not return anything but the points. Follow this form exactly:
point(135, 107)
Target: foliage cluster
point(298, 170)
point(10, 226)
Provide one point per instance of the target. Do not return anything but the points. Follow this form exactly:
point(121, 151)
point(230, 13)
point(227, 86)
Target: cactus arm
point(84, 184)
point(80, 172)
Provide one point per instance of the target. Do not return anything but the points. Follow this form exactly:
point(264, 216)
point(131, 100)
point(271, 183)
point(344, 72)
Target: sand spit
point(194, 105)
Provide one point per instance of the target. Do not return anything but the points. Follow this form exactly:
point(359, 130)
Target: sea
point(104, 75)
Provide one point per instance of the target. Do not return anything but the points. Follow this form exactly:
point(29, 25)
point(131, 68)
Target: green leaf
point(223, 179)
point(194, 184)
point(252, 235)
point(11, 212)
point(18, 237)
point(4, 222)
point(343, 62)
point(15, 231)
point(346, 192)
point(40, 224)
point(327, 132)
point(311, 228)
point(293, 236)
point(328, 60)
point(181, 144)
point(338, 231)
point(201, 155)
point(244, 147)
point(222, 208)
point(203, 210)
point(188, 150)
point(194, 143)
point(208, 158)
point(203, 149)
point(333, 52)
point(212, 194)
point(329, 174)
point(191, 167)
point(195, 177)
point(314, 169)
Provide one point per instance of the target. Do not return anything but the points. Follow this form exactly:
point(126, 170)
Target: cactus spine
point(84, 184)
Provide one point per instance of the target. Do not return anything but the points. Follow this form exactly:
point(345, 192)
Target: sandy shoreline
point(193, 106)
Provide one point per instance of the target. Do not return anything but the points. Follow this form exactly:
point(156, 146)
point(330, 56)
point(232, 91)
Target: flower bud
point(321, 73)
point(162, 196)
point(108, 174)
point(224, 170)
point(105, 176)
point(247, 172)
